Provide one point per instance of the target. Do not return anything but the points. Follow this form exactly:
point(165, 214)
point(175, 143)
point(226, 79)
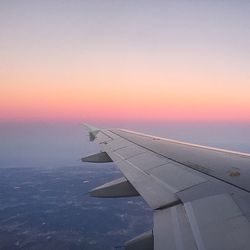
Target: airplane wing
point(199, 195)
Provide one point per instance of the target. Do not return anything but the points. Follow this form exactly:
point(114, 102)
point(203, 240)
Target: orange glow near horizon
point(121, 96)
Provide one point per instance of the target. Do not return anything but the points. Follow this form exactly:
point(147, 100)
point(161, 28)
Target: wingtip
point(93, 131)
point(89, 127)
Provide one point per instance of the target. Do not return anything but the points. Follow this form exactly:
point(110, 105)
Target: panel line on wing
point(194, 225)
point(134, 166)
point(164, 183)
point(176, 227)
point(127, 158)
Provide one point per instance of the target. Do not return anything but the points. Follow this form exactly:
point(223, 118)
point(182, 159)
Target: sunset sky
point(124, 60)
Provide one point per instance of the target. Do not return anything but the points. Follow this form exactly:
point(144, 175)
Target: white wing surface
point(199, 195)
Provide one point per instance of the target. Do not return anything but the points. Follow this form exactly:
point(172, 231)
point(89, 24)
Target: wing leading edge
point(199, 195)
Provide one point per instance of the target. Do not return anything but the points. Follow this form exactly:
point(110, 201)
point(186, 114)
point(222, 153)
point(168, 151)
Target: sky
point(125, 61)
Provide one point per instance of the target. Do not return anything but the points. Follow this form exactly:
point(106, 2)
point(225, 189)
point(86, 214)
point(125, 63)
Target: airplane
point(199, 195)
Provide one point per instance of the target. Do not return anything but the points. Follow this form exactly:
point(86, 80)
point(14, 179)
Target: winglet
point(93, 131)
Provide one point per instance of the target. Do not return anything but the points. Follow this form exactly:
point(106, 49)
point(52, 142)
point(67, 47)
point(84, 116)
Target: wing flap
point(211, 223)
point(218, 223)
point(172, 230)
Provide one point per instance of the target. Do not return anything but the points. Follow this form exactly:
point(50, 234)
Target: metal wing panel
point(148, 161)
point(211, 223)
point(192, 209)
point(231, 167)
point(172, 230)
point(147, 171)
point(217, 223)
point(176, 176)
point(130, 151)
point(154, 192)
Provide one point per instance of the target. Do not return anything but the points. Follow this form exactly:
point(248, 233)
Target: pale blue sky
point(215, 34)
